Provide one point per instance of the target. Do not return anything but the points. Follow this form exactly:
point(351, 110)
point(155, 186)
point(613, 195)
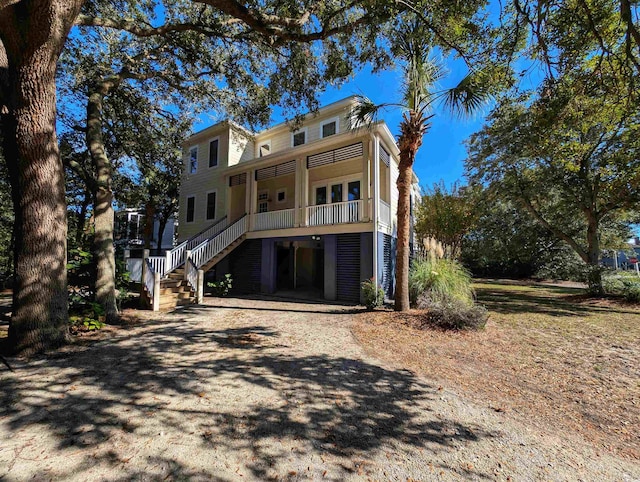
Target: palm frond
point(364, 113)
point(469, 95)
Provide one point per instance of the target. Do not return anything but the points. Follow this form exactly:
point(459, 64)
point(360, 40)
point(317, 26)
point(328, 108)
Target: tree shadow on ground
point(115, 388)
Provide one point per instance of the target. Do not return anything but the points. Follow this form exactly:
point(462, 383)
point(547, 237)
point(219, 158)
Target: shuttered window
point(337, 155)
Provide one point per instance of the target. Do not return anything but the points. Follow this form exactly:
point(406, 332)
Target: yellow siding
point(237, 201)
point(240, 147)
point(272, 185)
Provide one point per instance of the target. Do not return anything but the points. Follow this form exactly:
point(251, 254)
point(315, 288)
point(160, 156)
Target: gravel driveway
point(241, 389)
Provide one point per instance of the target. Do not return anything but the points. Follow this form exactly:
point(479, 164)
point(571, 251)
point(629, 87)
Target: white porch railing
point(176, 257)
point(285, 218)
point(157, 263)
point(335, 213)
point(384, 215)
point(208, 249)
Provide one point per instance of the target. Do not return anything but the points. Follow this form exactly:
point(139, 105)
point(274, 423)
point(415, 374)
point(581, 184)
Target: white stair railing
point(335, 213)
point(152, 284)
point(176, 257)
point(192, 274)
point(203, 253)
point(284, 218)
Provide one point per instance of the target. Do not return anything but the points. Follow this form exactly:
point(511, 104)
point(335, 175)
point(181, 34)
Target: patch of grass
point(550, 355)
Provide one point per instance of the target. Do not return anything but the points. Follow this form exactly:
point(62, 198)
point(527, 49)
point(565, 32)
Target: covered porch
point(345, 185)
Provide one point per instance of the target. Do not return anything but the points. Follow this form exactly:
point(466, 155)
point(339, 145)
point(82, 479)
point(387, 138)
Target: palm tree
point(421, 74)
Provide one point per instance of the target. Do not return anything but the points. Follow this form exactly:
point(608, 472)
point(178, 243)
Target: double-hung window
point(211, 205)
point(299, 138)
point(191, 208)
point(214, 144)
point(329, 127)
point(193, 160)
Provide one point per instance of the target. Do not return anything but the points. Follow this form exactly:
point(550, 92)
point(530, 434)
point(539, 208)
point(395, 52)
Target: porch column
point(376, 200)
point(304, 192)
point(247, 194)
point(298, 193)
point(252, 186)
point(366, 180)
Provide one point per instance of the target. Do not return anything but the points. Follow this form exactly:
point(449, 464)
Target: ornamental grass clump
point(442, 288)
point(438, 277)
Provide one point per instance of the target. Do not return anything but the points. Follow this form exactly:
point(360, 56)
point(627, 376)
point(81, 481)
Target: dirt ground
point(548, 356)
point(242, 389)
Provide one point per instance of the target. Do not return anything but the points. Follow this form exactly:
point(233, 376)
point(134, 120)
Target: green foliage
point(446, 215)
point(440, 279)
point(623, 285)
point(84, 314)
point(453, 314)
point(372, 293)
point(221, 288)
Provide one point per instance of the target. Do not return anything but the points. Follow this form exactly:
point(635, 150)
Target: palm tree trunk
point(404, 182)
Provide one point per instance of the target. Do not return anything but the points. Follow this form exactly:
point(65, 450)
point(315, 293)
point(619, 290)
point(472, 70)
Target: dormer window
point(265, 148)
point(329, 127)
point(299, 137)
point(193, 160)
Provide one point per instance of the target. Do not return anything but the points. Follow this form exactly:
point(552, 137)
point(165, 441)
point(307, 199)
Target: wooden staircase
point(167, 285)
point(175, 291)
point(221, 255)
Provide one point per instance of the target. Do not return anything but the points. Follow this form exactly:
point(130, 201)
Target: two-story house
point(311, 210)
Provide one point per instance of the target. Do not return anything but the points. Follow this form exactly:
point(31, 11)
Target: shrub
point(373, 294)
point(442, 279)
point(624, 285)
point(453, 314)
point(221, 288)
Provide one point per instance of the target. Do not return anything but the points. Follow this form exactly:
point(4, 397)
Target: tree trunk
point(82, 217)
point(149, 215)
point(405, 178)
point(593, 252)
point(32, 35)
point(162, 224)
point(104, 252)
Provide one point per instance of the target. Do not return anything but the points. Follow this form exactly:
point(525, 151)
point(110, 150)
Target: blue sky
point(442, 153)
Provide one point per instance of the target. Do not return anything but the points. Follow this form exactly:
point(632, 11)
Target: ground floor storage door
point(348, 267)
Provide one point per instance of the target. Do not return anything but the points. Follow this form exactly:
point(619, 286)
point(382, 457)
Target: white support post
point(156, 291)
point(145, 255)
point(376, 201)
point(297, 195)
point(366, 181)
point(254, 199)
point(304, 192)
point(167, 261)
point(187, 257)
point(247, 194)
point(200, 291)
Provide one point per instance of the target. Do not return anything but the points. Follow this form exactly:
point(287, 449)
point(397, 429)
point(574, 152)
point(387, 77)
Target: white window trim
point(329, 121)
point(215, 209)
point(344, 180)
point(191, 149)
point(306, 136)
point(260, 201)
point(186, 209)
point(266, 142)
point(217, 138)
point(278, 191)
